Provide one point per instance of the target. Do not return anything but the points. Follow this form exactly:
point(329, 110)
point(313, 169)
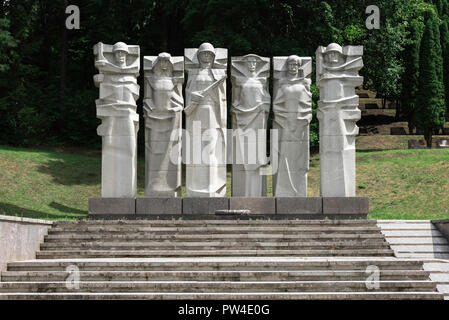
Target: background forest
point(46, 90)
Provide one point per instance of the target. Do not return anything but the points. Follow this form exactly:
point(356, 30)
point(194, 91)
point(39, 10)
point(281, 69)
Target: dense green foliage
point(430, 107)
point(411, 74)
point(46, 89)
point(444, 39)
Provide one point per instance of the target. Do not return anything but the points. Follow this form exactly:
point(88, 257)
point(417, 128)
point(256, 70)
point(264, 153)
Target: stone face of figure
point(333, 58)
point(251, 63)
point(120, 57)
point(120, 51)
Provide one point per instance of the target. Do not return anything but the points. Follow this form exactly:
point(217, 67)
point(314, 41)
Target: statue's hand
point(197, 96)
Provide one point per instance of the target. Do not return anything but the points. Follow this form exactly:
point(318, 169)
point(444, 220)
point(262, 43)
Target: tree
point(411, 75)
point(430, 107)
point(444, 34)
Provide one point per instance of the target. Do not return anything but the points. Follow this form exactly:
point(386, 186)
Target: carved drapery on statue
point(205, 111)
point(250, 108)
point(162, 106)
point(118, 67)
point(292, 107)
point(337, 76)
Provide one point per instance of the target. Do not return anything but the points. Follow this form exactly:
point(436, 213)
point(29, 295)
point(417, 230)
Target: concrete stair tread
point(228, 229)
point(212, 275)
point(198, 237)
point(224, 252)
point(215, 222)
point(231, 296)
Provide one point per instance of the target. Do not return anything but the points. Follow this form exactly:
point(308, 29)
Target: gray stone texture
point(158, 206)
point(345, 205)
point(20, 238)
point(265, 205)
point(204, 205)
point(299, 205)
point(112, 206)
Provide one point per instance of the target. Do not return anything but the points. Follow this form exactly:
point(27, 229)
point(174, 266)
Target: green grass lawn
point(401, 184)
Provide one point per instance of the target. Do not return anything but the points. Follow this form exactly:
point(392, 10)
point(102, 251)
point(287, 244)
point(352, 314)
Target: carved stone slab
point(292, 107)
point(163, 105)
point(250, 108)
point(337, 76)
point(118, 67)
point(205, 113)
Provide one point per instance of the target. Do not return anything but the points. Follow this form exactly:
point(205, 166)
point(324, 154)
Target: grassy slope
point(401, 184)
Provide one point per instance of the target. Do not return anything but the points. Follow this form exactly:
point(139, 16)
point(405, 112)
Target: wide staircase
point(217, 259)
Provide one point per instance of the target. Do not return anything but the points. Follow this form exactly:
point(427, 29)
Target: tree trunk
point(410, 127)
point(398, 111)
point(428, 137)
point(384, 102)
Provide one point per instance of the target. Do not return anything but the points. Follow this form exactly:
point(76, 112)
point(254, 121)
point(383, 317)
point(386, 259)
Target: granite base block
point(265, 205)
point(346, 205)
point(119, 206)
point(299, 205)
point(200, 205)
point(158, 205)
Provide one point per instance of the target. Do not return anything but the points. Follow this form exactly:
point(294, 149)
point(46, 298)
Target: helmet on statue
point(334, 47)
point(206, 47)
point(120, 46)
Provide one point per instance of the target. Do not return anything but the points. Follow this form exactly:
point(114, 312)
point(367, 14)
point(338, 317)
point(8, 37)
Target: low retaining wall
point(20, 238)
point(442, 226)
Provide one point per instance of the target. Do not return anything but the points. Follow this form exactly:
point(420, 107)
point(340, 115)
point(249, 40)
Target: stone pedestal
point(337, 76)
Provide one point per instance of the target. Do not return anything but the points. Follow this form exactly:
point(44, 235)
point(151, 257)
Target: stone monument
point(118, 67)
point(250, 108)
point(205, 111)
point(337, 76)
point(292, 107)
point(162, 106)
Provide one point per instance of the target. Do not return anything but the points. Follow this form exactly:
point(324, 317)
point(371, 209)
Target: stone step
point(421, 248)
point(411, 233)
point(151, 245)
point(418, 241)
point(227, 296)
point(217, 222)
point(219, 286)
point(61, 254)
point(221, 236)
point(250, 275)
point(418, 255)
point(215, 264)
point(407, 226)
point(209, 230)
